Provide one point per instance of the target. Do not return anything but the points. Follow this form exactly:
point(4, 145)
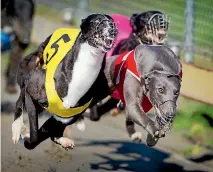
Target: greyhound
point(153, 81)
point(55, 77)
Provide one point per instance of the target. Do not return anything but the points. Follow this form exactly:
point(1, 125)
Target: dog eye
point(176, 93)
point(160, 90)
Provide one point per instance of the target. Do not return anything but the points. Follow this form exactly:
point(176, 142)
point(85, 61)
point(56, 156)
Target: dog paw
point(159, 134)
point(115, 112)
point(80, 125)
point(151, 141)
point(65, 142)
point(66, 103)
point(137, 136)
point(16, 130)
point(25, 133)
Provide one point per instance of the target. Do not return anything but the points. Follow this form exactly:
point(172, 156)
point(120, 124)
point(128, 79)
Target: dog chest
point(60, 43)
point(126, 63)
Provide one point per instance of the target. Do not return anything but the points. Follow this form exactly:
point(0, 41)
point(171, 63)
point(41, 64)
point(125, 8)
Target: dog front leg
point(33, 119)
point(140, 118)
point(137, 115)
point(133, 94)
point(135, 136)
point(18, 123)
point(50, 129)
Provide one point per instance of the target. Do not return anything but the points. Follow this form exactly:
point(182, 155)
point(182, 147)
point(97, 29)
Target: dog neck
point(85, 71)
point(94, 51)
point(109, 71)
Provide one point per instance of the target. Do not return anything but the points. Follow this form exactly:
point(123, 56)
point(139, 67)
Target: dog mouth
point(163, 121)
point(105, 43)
point(161, 36)
point(158, 37)
point(106, 39)
point(108, 43)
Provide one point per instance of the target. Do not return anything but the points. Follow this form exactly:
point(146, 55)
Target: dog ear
point(142, 80)
point(84, 25)
point(133, 20)
point(144, 83)
point(83, 20)
point(147, 79)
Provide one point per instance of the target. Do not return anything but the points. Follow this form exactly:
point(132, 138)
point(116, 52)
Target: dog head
point(150, 27)
point(99, 31)
point(163, 89)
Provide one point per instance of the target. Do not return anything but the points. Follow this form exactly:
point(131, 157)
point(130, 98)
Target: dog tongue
point(108, 42)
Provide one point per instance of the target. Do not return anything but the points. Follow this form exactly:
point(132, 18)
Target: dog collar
point(138, 39)
point(126, 63)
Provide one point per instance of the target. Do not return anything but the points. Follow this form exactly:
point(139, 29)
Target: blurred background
point(190, 37)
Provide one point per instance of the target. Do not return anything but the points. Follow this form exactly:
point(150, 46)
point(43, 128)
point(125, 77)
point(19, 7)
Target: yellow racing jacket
point(60, 43)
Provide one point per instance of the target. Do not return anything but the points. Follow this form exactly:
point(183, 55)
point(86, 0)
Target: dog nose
point(169, 109)
point(113, 31)
point(170, 113)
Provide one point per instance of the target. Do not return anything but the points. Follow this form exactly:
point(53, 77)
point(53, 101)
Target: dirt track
point(102, 147)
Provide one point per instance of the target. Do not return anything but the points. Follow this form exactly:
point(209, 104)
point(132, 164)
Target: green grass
point(192, 151)
point(53, 14)
point(191, 122)
point(48, 12)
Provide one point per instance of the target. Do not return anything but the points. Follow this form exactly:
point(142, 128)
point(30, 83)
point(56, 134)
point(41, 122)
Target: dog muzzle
point(165, 115)
point(104, 38)
point(155, 31)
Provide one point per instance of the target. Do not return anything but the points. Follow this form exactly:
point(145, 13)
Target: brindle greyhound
point(149, 76)
point(59, 77)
